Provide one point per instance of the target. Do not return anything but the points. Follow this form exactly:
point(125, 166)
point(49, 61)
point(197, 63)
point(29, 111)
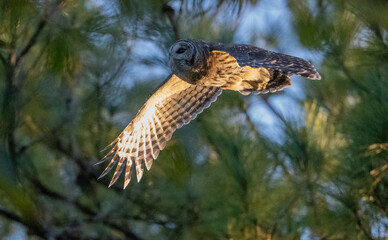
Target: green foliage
point(70, 82)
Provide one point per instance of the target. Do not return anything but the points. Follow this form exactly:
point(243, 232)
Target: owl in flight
point(200, 71)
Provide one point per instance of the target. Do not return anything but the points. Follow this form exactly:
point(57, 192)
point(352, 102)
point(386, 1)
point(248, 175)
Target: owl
point(200, 72)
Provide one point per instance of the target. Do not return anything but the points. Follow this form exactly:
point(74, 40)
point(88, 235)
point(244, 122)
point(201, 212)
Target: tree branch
point(41, 25)
point(347, 73)
point(10, 215)
point(85, 209)
point(30, 43)
point(353, 210)
point(367, 233)
point(170, 13)
point(2, 58)
point(13, 217)
point(265, 100)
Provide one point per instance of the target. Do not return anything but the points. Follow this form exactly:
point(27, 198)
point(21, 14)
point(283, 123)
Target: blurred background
point(310, 162)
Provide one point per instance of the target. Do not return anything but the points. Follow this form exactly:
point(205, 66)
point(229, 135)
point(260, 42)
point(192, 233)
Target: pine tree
point(73, 73)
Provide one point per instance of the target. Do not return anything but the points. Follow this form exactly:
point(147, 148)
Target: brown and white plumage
point(200, 70)
point(174, 104)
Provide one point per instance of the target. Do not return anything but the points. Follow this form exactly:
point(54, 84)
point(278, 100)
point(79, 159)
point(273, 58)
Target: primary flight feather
point(200, 71)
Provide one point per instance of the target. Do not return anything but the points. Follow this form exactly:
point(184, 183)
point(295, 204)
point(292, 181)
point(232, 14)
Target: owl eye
point(181, 50)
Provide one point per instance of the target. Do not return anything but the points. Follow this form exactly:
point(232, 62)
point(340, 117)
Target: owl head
point(188, 59)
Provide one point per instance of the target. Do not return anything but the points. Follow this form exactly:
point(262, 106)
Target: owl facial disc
point(188, 59)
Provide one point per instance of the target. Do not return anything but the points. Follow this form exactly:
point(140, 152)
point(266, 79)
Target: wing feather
point(110, 165)
point(128, 172)
point(138, 161)
point(119, 169)
point(255, 57)
point(146, 141)
point(174, 104)
point(155, 139)
point(249, 69)
point(148, 146)
point(130, 162)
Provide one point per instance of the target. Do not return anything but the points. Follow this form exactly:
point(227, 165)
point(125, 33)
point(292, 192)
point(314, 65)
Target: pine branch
point(367, 233)
point(2, 58)
point(31, 42)
point(348, 74)
point(35, 229)
point(10, 215)
point(83, 208)
point(39, 29)
point(170, 13)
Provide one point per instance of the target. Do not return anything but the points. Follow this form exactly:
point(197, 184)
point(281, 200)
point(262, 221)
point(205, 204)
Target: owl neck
point(193, 75)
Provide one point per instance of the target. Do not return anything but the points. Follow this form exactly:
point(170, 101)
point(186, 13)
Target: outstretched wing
point(255, 57)
point(172, 105)
point(258, 70)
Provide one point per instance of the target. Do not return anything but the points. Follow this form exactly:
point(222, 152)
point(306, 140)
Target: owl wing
point(255, 57)
point(172, 105)
point(259, 70)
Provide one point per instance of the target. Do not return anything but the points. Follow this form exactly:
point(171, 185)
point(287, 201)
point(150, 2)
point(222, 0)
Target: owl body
point(200, 71)
point(237, 67)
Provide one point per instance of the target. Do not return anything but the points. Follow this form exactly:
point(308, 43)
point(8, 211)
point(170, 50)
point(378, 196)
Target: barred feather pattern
point(174, 104)
point(255, 57)
point(268, 71)
point(204, 69)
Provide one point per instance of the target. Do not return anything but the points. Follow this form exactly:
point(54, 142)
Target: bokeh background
point(310, 162)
